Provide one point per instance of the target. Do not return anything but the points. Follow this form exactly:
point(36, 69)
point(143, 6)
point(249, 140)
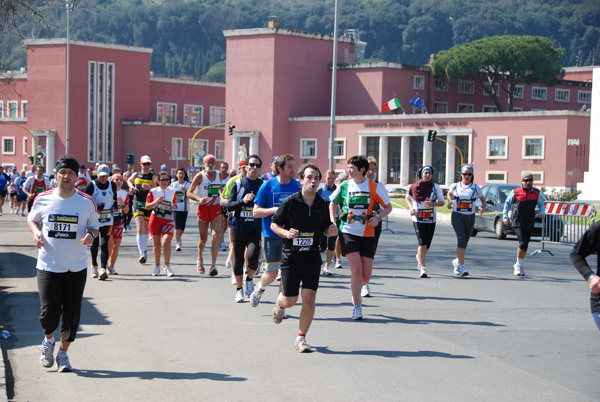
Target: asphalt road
point(490, 336)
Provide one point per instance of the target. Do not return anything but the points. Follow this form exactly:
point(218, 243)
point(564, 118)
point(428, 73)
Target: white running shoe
point(102, 275)
point(112, 270)
point(365, 291)
point(239, 296)
point(178, 247)
point(156, 271)
point(62, 361)
point(357, 313)
point(47, 357)
point(255, 296)
point(232, 278)
point(302, 346)
point(462, 270)
point(278, 314)
point(169, 271)
point(228, 263)
point(456, 264)
point(142, 259)
point(327, 270)
point(94, 272)
point(338, 264)
point(279, 275)
point(518, 270)
point(249, 288)
point(423, 272)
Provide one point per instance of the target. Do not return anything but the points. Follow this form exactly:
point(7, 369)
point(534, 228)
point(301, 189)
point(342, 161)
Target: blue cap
point(163, 167)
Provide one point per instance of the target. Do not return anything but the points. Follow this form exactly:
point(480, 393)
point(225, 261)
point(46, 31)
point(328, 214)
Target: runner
point(589, 244)
point(461, 199)
point(104, 193)
point(358, 224)
point(328, 243)
point(83, 178)
point(224, 200)
point(35, 185)
point(270, 196)
point(162, 201)
point(245, 228)
point(273, 172)
point(422, 198)
point(13, 189)
point(208, 184)
point(225, 176)
point(121, 210)
point(21, 196)
point(63, 222)
point(299, 220)
point(523, 202)
point(342, 177)
point(181, 184)
point(139, 185)
point(4, 180)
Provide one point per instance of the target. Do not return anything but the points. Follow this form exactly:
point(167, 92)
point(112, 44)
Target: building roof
point(63, 41)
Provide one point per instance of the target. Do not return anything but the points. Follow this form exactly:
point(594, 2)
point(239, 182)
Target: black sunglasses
point(467, 174)
point(256, 165)
point(146, 164)
point(527, 180)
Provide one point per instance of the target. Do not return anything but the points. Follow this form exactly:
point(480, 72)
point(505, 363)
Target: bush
point(561, 195)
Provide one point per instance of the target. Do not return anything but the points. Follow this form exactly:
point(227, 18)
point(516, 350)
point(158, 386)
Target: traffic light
point(31, 159)
point(231, 130)
point(131, 158)
point(431, 135)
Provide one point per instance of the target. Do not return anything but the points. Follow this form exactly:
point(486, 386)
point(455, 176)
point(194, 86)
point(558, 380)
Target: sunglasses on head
point(256, 165)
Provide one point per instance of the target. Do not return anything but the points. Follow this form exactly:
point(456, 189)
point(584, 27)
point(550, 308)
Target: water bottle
point(5, 334)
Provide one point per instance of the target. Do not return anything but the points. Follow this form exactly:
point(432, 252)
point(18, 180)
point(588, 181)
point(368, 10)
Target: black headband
point(68, 164)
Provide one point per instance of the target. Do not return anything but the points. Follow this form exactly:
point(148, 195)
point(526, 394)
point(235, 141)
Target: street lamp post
point(69, 8)
point(333, 85)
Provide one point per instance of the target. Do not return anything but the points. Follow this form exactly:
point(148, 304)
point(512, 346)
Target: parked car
point(495, 195)
point(395, 191)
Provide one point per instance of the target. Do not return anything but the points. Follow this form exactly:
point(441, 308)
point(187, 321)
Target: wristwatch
point(589, 278)
point(90, 233)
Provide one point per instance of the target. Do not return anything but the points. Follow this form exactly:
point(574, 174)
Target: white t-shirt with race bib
point(425, 214)
point(464, 197)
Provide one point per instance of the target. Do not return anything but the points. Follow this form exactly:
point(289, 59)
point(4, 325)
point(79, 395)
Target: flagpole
point(333, 85)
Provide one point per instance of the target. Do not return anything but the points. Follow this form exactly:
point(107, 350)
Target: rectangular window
point(394, 158)
point(487, 85)
point(192, 114)
point(13, 109)
point(518, 92)
point(415, 156)
point(101, 108)
point(217, 115)
point(24, 145)
point(517, 109)
point(440, 107)
point(533, 147)
point(176, 147)
point(441, 85)
point(496, 147)
point(1, 109)
point(495, 177)
point(538, 177)
point(199, 151)
point(489, 109)
point(166, 112)
point(339, 149)
point(308, 148)
point(466, 87)
point(24, 107)
point(8, 145)
point(584, 96)
point(373, 146)
point(220, 150)
point(562, 95)
point(464, 108)
point(419, 82)
point(538, 93)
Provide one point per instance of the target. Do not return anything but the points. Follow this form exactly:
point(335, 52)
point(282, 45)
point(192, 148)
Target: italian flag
point(391, 105)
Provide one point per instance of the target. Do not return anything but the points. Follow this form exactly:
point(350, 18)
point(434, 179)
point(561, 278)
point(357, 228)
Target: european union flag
point(417, 102)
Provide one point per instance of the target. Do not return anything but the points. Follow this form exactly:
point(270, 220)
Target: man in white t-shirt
point(63, 222)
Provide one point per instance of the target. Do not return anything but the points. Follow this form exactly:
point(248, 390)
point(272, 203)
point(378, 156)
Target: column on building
point(405, 160)
point(450, 160)
point(50, 151)
point(382, 160)
point(253, 144)
point(236, 147)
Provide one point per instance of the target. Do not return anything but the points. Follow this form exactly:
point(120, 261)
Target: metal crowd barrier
point(565, 223)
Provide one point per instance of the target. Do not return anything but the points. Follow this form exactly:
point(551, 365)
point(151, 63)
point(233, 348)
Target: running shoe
point(357, 313)
point(102, 275)
point(178, 247)
point(255, 296)
point(518, 270)
point(62, 361)
point(213, 271)
point(112, 270)
point(338, 264)
point(239, 296)
point(223, 247)
point(232, 278)
point(227, 263)
point(156, 271)
point(279, 275)
point(142, 259)
point(200, 267)
point(327, 270)
point(455, 264)
point(47, 357)
point(302, 346)
point(169, 271)
point(249, 288)
point(462, 270)
point(94, 273)
point(22, 213)
point(365, 291)
point(278, 314)
point(423, 272)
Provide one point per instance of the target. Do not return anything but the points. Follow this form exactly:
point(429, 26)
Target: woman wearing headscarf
point(461, 199)
point(422, 198)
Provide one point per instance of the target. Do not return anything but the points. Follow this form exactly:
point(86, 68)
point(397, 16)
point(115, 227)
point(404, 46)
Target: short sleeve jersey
point(271, 194)
point(425, 214)
point(3, 181)
point(181, 193)
point(359, 201)
point(464, 197)
point(163, 208)
point(64, 222)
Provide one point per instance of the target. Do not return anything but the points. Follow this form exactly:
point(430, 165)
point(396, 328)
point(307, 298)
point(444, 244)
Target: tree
point(504, 60)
